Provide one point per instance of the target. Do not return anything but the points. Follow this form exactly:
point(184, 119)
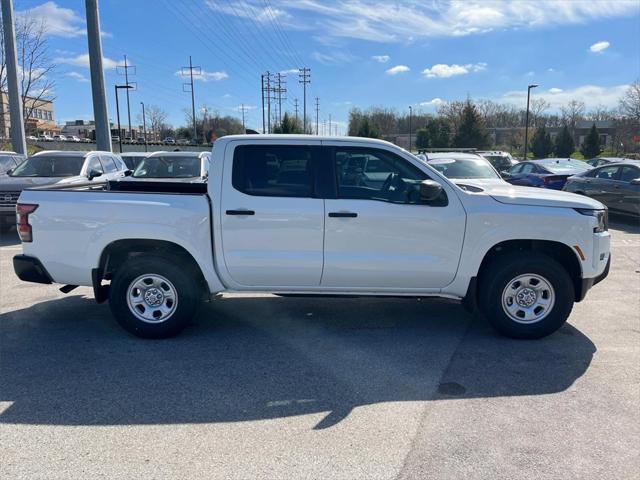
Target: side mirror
point(93, 174)
point(505, 174)
point(128, 173)
point(429, 190)
point(9, 171)
point(635, 181)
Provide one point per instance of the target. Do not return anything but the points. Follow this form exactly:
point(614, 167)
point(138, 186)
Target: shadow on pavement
point(625, 223)
point(9, 237)
point(66, 362)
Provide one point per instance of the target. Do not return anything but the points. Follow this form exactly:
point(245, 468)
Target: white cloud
point(332, 58)
point(442, 70)
point(381, 58)
point(381, 21)
point(434, 102)
point(592, 95)
point(551, 70)
point(82, 60)
point(58, 21)
point(203, 75)
point(291, 71)
point(397, 69)
point(599, 47)
point(78, 76)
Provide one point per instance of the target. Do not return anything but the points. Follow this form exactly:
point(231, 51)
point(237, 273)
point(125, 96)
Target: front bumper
point(587, 283)
point(30, 269)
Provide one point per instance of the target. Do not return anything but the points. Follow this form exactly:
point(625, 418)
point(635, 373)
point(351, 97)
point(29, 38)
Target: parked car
point(465, 168)
point(9, 160)
point(32, 138)
point(617, 185)
point(52, 167)
point(546, 173)
point(173, 166)
point(59, 138)
point(87, 140)
point(115, 138)
point(169, 141)
point(132, 159)
point(141, 140)
point(596, 162)
point(45, 138)
point(287, 215)
point(182, 141)
point(73, 138)
point(501, 161)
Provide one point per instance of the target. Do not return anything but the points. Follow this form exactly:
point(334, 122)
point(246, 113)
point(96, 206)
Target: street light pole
point(410, 111)
point(117, 87)
point(526, 120)
point(144, 127)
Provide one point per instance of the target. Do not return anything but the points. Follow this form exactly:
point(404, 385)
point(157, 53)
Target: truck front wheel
point(526, 295)
point(151, 297)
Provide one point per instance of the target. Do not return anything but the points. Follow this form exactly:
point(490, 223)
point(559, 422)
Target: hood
point(539, 197)
point(16, 184)
point(481, 182)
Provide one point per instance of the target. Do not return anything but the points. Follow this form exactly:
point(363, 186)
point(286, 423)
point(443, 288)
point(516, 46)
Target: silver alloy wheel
point(528, 298)
point(152, 298)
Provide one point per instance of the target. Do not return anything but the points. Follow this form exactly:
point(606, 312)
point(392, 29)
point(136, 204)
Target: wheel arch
point(116, 253)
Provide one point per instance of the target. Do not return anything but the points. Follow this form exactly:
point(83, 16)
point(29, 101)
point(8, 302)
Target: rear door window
point(274, 170)
point(108, 164)
point(629, 173)
point(608, 173)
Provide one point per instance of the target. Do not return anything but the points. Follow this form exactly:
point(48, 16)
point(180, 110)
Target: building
point(41, 120)
point(515, 135)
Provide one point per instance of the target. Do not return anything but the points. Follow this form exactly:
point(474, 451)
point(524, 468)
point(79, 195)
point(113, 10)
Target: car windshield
point(464, 168)
point(49, 166)
point(564, 167)
point(6, 163)
point(499, 162)
point(131, 160)
point(168, 167)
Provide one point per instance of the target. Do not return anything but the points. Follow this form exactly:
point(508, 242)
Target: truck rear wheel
point(526, 295)
point(152, 297)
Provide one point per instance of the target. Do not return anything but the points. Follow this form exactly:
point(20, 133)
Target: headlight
point(602, 216)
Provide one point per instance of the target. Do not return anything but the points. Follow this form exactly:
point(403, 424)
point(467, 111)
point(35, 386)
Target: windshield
point(49, 166)
point(168, 167)
point(564, 167)
point(499, 162)
point(467, 168)
point(6, 163)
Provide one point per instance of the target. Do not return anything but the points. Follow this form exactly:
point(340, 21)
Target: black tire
point(502, 271)
point(188, 294)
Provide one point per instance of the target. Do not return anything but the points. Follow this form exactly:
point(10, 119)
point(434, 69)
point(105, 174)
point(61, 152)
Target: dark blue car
point(545, 173)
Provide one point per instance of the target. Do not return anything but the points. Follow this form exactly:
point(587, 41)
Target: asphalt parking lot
point(287, 388)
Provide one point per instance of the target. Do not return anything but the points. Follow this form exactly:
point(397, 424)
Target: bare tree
point(156, 120)
point(34, 64)
point(571, 113)
point(600, 113)
point(452, 112)
point(630, 102)
point(537, 107)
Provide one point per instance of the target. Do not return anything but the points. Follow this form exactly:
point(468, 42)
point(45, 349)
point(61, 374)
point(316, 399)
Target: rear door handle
point(240, 212)
point(343, 214)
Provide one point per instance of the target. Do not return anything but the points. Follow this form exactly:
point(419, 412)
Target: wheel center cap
point(153, 297)
point(526, 297)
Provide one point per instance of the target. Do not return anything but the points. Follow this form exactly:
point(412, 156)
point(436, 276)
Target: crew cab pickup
point(317, 216)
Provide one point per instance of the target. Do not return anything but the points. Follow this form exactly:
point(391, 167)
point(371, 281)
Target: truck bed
point(132, 186)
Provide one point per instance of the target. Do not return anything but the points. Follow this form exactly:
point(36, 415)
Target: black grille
point(9, 198)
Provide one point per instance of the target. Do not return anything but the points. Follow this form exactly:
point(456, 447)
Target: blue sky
point(361, 53)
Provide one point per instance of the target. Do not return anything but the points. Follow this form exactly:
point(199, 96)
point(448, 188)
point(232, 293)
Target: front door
point(272, 218)
point(379, 234)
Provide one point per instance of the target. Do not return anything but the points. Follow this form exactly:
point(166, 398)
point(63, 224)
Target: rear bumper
point(587, 283)
point(30, 269)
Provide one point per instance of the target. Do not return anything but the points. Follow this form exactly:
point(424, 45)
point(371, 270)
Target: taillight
point(23, 210)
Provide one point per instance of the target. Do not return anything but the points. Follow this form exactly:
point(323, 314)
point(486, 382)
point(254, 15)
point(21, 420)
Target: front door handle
point(343, 214)
point(240, 212)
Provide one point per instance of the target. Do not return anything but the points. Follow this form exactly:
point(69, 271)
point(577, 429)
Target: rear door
point(629, 194)
point(603, 185)
point(272, 217)
point(379, 234)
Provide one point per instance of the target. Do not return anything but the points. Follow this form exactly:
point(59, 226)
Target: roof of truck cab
point(281, 137)
point(69, 153)
point(186, 153)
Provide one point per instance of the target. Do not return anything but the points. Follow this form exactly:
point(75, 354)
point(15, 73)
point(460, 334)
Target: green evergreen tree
point(472, 132)
point(439, 133)
point(591, 146)
point(288, 125)
point(367, 129)
point(541, 145)
point(422, 138)
point(564, 146)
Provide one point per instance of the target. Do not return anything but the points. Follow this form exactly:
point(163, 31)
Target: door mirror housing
point(429, 190)
point(93, 174)
point(128, 173)
point(9, 171)
point(505, 174)
point(635, 181)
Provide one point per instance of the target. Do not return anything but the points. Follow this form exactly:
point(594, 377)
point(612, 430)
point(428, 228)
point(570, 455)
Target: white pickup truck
point(307, 215)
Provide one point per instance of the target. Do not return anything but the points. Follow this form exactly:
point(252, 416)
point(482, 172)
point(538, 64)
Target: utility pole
point(329, 124)
point(243, 109)
point(98, 92)
point(317, 114)
point(280, 90)
point(305, 78)
point(295, 106)
point(526, 121)
point(144, 127)
point(262, 88)
point(125, 72)
point(410, 112)
point(118, 87)
point(18, 142)
point(268, 92)
point(191, 68)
